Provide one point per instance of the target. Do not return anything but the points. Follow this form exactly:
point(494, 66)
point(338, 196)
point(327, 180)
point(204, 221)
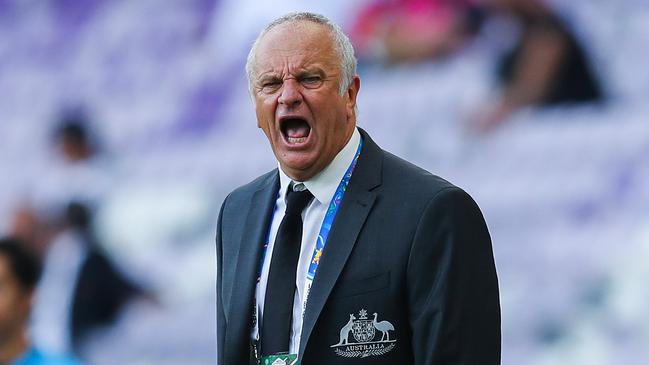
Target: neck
point(11, 348)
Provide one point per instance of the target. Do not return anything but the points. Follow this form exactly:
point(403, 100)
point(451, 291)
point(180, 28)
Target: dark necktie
point(280, 290)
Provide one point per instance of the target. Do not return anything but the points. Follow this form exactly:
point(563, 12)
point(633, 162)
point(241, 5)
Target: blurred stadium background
point(565, 189)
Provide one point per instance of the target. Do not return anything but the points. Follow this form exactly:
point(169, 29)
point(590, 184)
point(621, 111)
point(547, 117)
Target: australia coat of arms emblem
point(364, 332)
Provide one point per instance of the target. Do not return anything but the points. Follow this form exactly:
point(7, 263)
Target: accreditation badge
point(282, 359)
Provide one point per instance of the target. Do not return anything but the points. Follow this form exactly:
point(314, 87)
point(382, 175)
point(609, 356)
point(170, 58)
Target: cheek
point(7, 308)
point(262, 118)
point(265, 111)
point(266, 126)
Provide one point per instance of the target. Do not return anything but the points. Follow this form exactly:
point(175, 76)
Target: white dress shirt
point(322, 186)
point(51, 316)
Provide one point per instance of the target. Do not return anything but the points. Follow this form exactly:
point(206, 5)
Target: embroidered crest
point(364, 331)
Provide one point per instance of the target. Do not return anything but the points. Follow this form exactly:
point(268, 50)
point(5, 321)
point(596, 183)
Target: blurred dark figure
point(100, 290)
point(73, 139)
point(82, 290)
point(547, 65)
point(34, 231)
point(19, 273)
point(76, 174)
point(394, 31)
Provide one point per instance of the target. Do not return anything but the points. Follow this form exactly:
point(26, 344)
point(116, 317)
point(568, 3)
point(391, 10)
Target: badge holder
point(279, 359)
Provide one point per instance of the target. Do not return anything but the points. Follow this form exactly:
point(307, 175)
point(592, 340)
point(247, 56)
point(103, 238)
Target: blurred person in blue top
point(19, 273)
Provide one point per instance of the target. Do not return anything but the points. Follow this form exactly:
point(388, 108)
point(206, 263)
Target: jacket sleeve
point(220, 315)
point(454, 308)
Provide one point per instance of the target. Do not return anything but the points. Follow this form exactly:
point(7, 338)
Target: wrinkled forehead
point(299, 41)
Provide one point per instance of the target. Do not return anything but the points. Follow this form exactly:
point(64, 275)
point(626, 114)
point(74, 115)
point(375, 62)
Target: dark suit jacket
point(405, 244)
point(100, 293)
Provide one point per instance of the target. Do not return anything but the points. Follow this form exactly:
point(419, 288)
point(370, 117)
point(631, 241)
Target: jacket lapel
point(239, 316)
point(349, 221)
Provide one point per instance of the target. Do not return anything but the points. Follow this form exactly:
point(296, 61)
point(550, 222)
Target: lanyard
point(321, 240)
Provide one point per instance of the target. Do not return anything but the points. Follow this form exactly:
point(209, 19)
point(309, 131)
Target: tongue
point(297, 129)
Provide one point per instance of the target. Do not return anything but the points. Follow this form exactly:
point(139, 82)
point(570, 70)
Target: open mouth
point(295, 130)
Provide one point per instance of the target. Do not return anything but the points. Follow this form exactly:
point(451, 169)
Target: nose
point(290, 95)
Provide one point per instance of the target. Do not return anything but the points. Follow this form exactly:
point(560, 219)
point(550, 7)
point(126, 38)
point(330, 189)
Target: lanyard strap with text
point(328, 220)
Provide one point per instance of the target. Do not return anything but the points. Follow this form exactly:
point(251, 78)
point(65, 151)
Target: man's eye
point(311, 81)
point(271, 85)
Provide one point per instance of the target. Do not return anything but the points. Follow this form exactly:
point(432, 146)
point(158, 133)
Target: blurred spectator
point(34, 231)
point(75, 173)
point(19, 273)
point(73, 140)
point(81, 172)
point(82, 290)
point(413, 30)
point(547, 65)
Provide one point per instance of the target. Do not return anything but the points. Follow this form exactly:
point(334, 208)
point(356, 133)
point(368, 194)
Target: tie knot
point(296, 201)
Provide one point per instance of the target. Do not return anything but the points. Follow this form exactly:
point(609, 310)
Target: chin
point(298, 171)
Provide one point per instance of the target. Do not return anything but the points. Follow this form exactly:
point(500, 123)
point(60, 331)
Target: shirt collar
point(324, 184)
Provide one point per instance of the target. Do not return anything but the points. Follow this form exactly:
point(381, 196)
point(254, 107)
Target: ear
point(352, 93)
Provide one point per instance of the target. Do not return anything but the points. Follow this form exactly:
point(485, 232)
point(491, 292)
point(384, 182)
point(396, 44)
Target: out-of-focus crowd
point(125, 123)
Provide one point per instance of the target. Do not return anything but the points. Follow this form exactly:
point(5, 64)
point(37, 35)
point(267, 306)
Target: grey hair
point(340, 39)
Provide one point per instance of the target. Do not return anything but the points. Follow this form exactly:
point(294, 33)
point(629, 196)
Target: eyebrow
point(311, 72)
point(268, 77)
point(271, 76)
